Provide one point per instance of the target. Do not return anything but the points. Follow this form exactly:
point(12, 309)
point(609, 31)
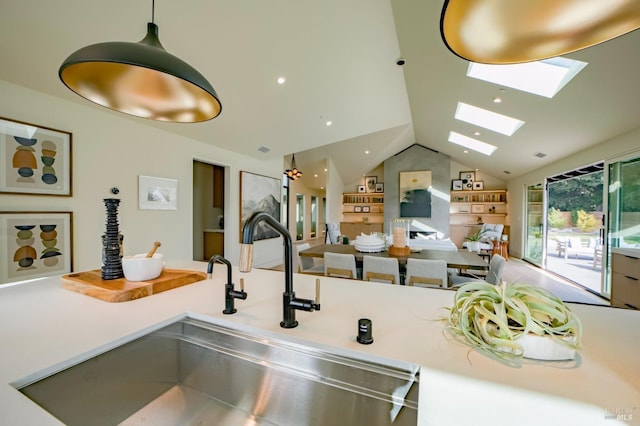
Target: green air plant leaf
point(492, 317)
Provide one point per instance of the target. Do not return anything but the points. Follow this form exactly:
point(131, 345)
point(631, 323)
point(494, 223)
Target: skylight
point(487, 119)
point(544, 78)
point(471, 143)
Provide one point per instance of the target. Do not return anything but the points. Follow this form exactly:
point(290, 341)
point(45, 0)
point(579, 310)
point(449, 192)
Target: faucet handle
point(241, 284)
point(318, 293)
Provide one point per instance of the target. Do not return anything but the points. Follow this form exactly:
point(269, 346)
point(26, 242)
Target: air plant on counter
point(496, 318)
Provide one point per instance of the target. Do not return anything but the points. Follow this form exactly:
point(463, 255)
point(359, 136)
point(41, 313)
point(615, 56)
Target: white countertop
point(42, 324)
point(627, 251)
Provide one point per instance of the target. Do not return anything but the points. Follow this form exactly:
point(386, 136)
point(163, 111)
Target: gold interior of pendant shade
point(515, 31)
point(141, 79)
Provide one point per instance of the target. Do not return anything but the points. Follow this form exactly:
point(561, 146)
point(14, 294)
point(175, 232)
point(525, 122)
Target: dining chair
point(340, 265)
point(426, 273)
point(381, 269)
point(494, 275)
point(308, 265)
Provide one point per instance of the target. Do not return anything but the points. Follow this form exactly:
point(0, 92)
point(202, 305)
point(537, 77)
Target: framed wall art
point(415, 194)
point(357, 209)
point(34, 160)
point(157, 193)
point(259, 194)
point(380, 187)
point(456, 185)
point(477, 208)
point(467, 179)
point(362, 189)
point(478, 185)
point(35, 245)
point(370, 183)
point(366, 209)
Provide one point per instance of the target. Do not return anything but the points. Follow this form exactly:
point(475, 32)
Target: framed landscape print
point(259, 194)
point(35, 244)
point(34, 160)
point(157, 193)
point(370, 183)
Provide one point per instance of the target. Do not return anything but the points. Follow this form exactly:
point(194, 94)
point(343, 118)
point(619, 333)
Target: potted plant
point(515, 320)
point(474, 240)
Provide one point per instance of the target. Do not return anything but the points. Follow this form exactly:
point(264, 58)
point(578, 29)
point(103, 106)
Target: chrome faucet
point(229, 293)
point(289, 301)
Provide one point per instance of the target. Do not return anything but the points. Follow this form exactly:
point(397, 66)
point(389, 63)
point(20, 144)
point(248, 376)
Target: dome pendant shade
point(141, 79)
point(516, 31)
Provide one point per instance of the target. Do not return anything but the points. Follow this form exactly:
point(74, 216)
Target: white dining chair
point(308, 265)
point(381, 269)
point(340, 265)
point(494, 275)
point(426, 273)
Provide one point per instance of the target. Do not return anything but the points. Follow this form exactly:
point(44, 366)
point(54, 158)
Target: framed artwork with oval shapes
point(35, 245)
point(34, 160)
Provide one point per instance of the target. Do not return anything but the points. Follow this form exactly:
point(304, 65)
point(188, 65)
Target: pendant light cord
point(153, 11)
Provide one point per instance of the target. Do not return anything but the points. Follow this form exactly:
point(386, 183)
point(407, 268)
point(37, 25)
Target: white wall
point(618, 146)
point(110, 149)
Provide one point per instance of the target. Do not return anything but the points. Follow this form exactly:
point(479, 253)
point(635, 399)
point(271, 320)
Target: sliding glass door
point(623, 207)
point(534, 249)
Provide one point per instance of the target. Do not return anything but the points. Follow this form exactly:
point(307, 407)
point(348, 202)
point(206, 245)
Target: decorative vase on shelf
point(112, 243)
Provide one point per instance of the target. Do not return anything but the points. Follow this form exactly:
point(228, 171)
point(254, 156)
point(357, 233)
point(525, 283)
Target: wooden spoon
point(153, 249)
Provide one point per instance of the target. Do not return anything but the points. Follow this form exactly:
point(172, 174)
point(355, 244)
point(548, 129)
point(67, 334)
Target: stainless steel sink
point(193, 372)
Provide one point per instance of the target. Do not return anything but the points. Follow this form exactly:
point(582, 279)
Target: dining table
point(460, 259)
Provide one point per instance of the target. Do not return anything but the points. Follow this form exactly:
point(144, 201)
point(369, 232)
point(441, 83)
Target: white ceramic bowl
point(141, 268)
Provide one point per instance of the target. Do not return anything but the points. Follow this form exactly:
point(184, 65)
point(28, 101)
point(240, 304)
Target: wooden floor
point(517, 270)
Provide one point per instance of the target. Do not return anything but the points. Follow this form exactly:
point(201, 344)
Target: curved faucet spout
point(219, 259)
point(289, 301)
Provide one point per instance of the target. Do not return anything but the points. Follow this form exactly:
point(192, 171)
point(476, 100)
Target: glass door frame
point(608, 223)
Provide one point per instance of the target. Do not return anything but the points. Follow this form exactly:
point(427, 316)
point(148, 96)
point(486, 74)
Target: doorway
point(208, 210)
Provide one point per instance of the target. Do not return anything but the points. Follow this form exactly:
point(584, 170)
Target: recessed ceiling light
point(488, 119)
point(476, 133)
point(544, 78)
point(366, 152)
point(329, 123)
point(325, 170)
point(474, 144)
point(281, 80)
point(466, 151)
point(497, 100)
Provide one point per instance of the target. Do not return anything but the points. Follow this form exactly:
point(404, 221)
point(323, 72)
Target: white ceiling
point(339, 58)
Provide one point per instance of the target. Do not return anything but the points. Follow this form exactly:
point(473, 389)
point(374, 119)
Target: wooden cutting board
point(121, 290)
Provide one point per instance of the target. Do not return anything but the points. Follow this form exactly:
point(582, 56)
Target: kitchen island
point(43, 324)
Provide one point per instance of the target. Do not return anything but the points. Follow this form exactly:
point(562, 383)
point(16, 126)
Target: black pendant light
point(141, 79)
point(515, 31)
point(293, 173)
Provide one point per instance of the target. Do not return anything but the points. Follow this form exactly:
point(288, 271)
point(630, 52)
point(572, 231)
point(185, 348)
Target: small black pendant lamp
point(141, 79)
point(293, 173)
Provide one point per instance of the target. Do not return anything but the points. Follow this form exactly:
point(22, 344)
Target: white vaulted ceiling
point(339, 59)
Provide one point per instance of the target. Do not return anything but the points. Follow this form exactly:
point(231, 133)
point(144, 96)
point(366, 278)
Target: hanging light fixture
point(293, 173)
point(141, 79)
point(509, 32)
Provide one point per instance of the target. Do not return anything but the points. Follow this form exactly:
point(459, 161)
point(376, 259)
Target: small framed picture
point(456, 185)
point(370, 182)
point(157, 193)
point(357, 209)
point(477, 208)
point(379, 187)
point(478, 185)
point(366, 209)
point(362, 188)
point(467, 179)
